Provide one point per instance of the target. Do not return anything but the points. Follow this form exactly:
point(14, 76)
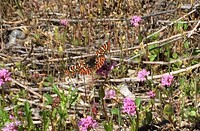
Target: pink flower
point(167, 80)
point(4, 76)
point(13, 126)
point(1, 82)
point(129, 106)
point(110, 94)
point(106, 69)
point(143, 74)
point(63, 22)
point(151, 94)
point(87, 123)
point(11, 117)
point(135, 20)
point(95, 108)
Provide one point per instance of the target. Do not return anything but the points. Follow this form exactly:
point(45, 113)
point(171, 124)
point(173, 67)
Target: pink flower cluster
point(129, 106)
point(87, 123)
point(4, 76)
point(13, 126)
point(64, 22)
point(151, 94)
point(110, 94)
point(167, 80)
point(135, 20)
point(142, 75)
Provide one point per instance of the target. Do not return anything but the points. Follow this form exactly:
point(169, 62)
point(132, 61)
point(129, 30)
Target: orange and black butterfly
point(86, 68)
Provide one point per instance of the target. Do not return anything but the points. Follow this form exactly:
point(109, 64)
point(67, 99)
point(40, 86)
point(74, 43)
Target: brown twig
point(26, 88)
point(135, 79)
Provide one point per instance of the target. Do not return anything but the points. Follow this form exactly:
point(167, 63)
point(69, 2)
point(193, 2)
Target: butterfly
point(83, 68)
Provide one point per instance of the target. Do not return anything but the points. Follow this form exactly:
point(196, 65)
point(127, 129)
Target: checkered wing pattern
point(84, 69)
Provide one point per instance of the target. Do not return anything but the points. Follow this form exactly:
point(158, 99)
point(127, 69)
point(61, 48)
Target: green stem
point(137, 120)
point(3, 97)
point(104, 110)
point(103, 102)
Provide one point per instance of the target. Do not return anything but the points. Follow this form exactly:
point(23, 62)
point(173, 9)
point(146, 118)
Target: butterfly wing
point(99, 62)
point(104, 49)
point(73, 69)
point(85, 71)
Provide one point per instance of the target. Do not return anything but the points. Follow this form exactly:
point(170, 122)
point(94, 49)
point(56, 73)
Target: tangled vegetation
point(99, 65)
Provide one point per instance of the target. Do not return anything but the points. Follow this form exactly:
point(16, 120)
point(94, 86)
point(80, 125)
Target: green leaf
point(138, 102)
point(4, 117)
point(73, 97)
point(175, 55)
point(49, 99)
point(108, 126)
point(36, 36)
point(185, 26)
point(56, 34)
point(55, 89)
point(54, 112)
point(27, 107)
point(101, 93)
point(140, 38)
point(192, 113)
point(148, 117)
point(168, 110)
point(60, 49)
point(150, 47)
point(45, 119)
point(50, 79)
point(18, 65)
point(197, 51)
point(75, 42)
point(186, 44)
point(115, 111)
point(46, 84)
point(28, 116)
point(153, 57)
point(179, 26)
point(155, 37)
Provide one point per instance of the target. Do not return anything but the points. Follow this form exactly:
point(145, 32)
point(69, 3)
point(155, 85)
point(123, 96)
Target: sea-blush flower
point(110, 94)
point(151, 94)
point(129, 106)
point(64, 22)
point(167, 80)
point(135, 20)
point(11, 117)
point(13, 126)
point(105, 69)
point(87, 123)
point(4, 76)
point(143, 74)
point(94, 108)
